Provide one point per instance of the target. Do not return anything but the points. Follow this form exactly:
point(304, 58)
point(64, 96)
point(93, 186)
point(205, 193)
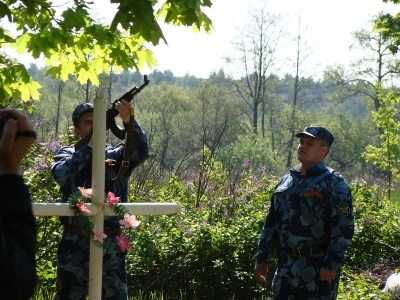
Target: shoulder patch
point(344, 209)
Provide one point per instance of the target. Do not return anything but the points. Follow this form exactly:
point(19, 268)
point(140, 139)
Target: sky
point(329, 26)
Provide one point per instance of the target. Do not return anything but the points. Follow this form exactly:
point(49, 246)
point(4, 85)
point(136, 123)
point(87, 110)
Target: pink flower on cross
point(82, 207)
point(123, 243)
point(112, 200)
point(85, 192)
point(99, 235)
point(129, 221)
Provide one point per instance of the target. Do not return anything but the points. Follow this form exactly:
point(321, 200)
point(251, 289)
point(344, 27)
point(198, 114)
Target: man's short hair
point(80, 110)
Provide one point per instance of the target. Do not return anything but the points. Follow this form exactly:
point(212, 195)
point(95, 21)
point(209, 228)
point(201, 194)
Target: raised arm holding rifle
point(72, 168)
point(113, 112)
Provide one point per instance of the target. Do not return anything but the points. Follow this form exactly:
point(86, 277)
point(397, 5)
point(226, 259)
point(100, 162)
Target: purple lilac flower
point(54, 144)
point(190, 187)
point(193, 177)
point(37, 123)
point(254, 180)
point(189, 184)
point(234, 189)
point(262, 169)
point(246, 162)
point(40, 165)
point(210, 190)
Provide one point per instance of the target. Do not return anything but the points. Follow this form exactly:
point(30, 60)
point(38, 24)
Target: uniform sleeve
point(342, 223)
point(139, 150)
point(67, 163)
point(17, 239)
point(266, 243)
point(140, 147)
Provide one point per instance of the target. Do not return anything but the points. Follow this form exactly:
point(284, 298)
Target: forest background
point(218, 145)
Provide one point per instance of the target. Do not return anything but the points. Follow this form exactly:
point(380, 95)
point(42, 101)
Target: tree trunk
point(263, 119)
point(109, 88)
point(272, 126)
point(255, 116)
point(59, 94)
point(293, 116)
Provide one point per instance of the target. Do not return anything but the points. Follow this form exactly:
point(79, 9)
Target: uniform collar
point(313, 171)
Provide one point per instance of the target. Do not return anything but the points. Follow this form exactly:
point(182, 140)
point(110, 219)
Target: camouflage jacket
point(17, 240)
point(72, 169)
point(314, 209)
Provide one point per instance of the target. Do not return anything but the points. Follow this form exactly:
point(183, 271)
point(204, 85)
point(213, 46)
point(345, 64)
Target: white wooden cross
point(97, 213)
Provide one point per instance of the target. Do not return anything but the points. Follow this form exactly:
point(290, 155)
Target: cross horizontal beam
point(144, 209)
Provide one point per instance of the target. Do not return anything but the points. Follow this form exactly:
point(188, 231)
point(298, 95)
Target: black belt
point(304, 251)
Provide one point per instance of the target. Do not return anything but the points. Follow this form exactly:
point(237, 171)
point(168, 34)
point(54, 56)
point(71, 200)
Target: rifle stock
point(112, 113)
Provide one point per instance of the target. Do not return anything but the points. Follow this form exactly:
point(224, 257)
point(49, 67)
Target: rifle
point(112, 112)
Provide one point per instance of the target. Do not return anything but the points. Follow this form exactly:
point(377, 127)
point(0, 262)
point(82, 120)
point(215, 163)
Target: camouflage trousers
point(297, 278)
point(73, 271)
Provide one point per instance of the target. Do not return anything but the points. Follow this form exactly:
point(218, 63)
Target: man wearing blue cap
point(310, 224)
point(72, 168)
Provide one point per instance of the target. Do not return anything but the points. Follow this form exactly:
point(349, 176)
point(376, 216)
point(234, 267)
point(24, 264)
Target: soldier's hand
point(261, 272)
point(124, 109)
point(326, 275)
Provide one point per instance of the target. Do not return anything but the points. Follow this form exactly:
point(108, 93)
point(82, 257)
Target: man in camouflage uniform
point(309, 224)
point(72, 169)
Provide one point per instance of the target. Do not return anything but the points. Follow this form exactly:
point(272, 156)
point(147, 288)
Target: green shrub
point(208, 250)
point(357, 287)
point(376, 227)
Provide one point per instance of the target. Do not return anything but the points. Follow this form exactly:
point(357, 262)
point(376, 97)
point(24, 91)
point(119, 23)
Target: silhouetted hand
point(261, 272)
point(17, 137)
point(326, 274)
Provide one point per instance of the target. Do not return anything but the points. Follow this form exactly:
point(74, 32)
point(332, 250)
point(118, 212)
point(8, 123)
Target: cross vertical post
point(98, 175)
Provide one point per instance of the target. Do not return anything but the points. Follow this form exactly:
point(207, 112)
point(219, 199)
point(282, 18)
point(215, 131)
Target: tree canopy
point(389, 25)
point(74, 43)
